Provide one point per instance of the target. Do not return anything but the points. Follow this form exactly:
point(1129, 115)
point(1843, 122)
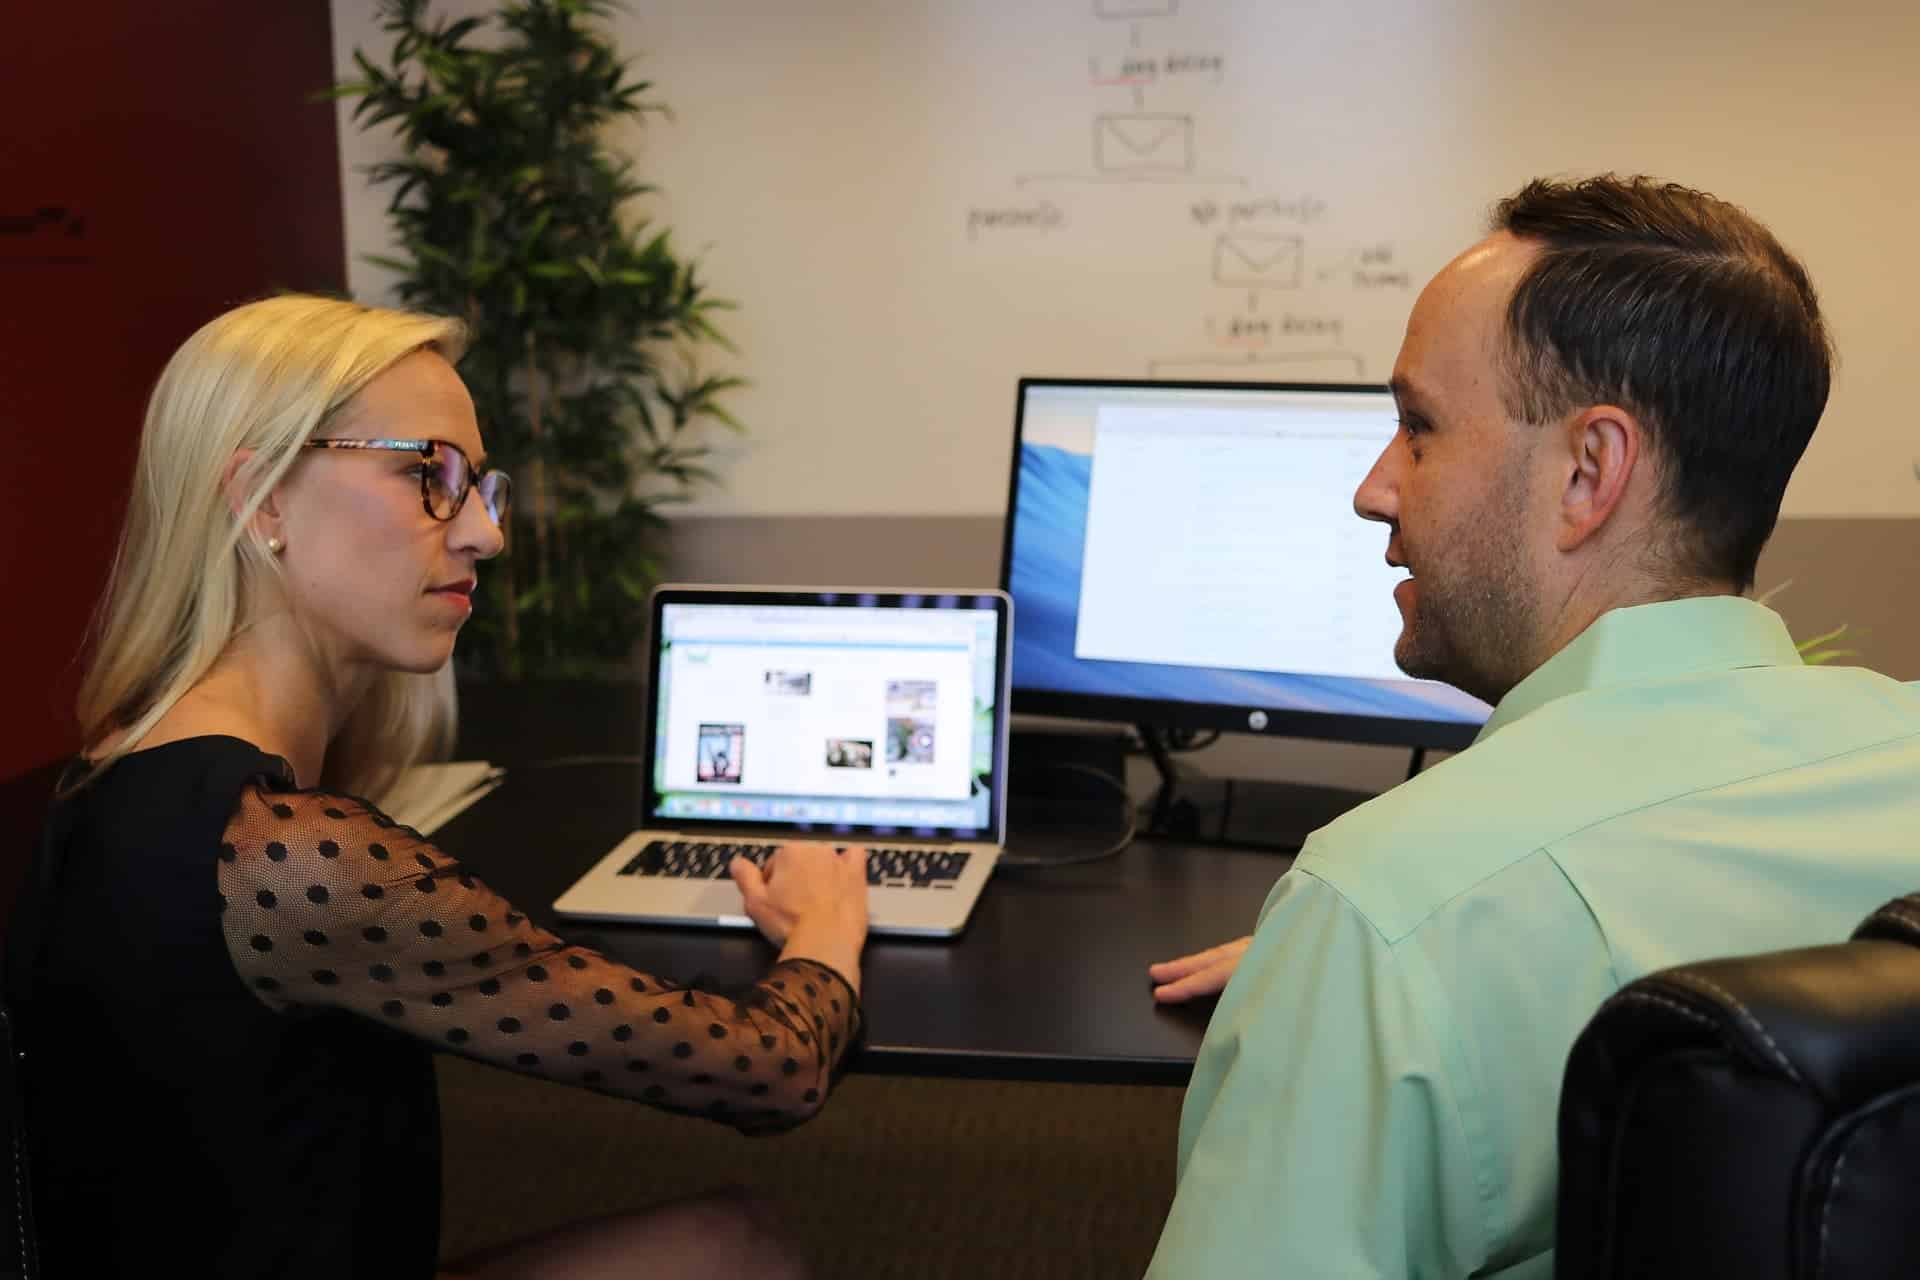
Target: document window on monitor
point(1188, 553)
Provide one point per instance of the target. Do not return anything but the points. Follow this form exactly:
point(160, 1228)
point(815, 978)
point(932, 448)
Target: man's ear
point(266, 517)
point(1606, 447)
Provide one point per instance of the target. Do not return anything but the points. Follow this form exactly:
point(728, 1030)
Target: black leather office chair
point(1756, 1117)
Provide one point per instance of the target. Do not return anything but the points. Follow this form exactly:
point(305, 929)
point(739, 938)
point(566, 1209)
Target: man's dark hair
point(1687, 312)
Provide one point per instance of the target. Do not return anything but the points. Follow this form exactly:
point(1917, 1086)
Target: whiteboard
point(915, 204)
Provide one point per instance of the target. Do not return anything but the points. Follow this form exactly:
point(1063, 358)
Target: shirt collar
point(1653, 642)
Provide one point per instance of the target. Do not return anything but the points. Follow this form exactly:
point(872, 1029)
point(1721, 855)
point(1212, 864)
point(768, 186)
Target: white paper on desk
point(427, 796)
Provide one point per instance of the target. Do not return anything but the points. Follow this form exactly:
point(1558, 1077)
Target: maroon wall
point(158, 164)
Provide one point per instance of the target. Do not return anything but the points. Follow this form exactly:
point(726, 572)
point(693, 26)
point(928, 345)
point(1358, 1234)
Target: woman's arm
point(329, 904)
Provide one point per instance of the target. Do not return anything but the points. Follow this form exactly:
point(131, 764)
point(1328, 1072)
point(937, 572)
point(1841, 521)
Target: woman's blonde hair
point(265, 377)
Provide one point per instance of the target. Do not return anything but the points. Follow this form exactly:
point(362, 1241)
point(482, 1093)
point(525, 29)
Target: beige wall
point(827, 162)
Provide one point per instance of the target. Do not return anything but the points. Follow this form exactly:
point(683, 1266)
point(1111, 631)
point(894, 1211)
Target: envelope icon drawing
point(1257, 260)
point(1143, 143)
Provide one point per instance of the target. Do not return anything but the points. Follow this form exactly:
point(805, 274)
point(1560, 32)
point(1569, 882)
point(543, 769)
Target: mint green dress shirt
point(1377, 1092)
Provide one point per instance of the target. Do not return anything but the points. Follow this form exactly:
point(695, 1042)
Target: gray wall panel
point(1860, 572)
point(1865, 573)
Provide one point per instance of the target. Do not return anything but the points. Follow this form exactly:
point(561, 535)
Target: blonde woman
point(243, 969)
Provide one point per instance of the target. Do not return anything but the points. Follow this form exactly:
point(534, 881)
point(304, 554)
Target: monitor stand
point(1250, 813)
point(1066, 779)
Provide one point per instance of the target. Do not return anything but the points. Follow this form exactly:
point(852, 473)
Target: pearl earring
point(275, 545)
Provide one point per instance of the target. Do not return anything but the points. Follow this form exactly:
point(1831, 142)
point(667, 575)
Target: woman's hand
point(811, 901)
point(1203, 973)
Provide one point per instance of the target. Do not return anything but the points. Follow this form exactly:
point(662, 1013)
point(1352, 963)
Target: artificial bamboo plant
point(511, 212)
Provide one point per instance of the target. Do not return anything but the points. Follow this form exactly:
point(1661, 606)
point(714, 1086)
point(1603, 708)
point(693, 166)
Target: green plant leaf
point(1825, 638)
point(511, 211)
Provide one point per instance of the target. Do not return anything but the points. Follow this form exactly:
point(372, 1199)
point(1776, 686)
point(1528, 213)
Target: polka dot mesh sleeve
point(326, 902)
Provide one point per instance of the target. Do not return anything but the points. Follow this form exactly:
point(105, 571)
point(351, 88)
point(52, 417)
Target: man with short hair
point(1600, 406)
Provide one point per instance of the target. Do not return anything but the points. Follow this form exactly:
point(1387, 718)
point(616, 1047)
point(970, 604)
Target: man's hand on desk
point(811, 901)
point(1204, 973)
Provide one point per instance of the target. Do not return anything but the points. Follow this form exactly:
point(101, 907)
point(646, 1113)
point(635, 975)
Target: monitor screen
point(1187, 555)
point(839, 710)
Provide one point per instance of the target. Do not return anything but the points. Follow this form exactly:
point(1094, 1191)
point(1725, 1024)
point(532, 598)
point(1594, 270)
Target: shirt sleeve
point(1321, 1135)
point(329, 904)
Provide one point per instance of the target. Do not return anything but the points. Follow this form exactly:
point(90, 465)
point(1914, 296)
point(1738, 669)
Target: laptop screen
point(836, 711)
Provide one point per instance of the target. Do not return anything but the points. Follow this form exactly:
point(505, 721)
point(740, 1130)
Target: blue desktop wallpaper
point(1049, 531)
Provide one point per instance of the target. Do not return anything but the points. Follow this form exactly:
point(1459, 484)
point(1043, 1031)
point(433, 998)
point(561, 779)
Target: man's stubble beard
point(1474, 621)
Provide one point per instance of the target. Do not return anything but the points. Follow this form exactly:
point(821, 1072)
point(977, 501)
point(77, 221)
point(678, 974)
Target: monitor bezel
point(1167, 713)
point(842, 598)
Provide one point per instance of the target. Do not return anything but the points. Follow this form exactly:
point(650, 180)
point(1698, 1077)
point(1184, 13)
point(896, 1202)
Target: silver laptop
point(862, 717)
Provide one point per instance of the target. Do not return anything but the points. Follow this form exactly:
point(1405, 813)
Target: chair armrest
point(1706, 1108)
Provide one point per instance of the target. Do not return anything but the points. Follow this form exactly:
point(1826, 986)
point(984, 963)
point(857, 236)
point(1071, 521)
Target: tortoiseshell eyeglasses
point(446, 475)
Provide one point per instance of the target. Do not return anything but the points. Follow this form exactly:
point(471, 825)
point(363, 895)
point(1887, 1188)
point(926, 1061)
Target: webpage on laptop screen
point(841, 716)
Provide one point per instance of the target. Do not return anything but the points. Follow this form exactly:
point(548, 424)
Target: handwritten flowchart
point(1272, 255)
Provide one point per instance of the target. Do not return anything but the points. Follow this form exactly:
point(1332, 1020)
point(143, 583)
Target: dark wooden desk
point(1047, 983)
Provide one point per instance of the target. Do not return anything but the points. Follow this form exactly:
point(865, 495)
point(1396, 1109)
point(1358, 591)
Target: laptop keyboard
point(707, 860)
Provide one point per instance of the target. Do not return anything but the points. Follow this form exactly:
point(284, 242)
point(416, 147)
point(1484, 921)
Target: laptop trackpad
point(720, 901)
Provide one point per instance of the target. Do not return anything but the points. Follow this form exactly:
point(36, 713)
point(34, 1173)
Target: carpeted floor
point(895, 1178)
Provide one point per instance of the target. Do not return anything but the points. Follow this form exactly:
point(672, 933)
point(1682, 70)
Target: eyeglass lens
point(449, 474)
point(496, 490)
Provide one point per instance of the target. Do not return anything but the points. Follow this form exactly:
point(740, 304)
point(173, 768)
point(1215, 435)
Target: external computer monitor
point(1186, 555)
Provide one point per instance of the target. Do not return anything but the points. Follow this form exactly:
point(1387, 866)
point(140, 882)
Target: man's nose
point(1378, 497)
